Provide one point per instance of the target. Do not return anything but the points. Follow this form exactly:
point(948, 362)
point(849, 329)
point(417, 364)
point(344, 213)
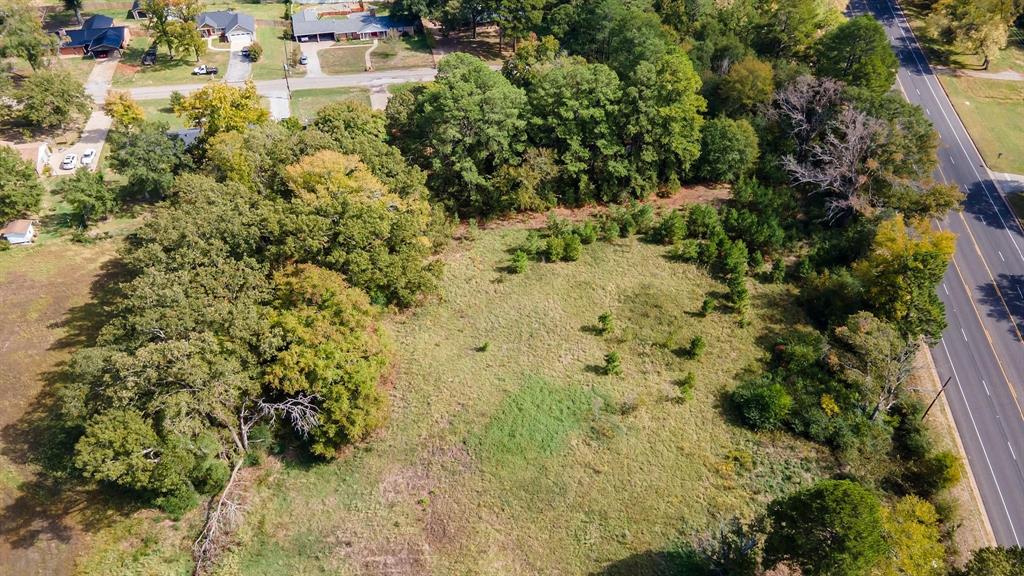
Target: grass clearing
point(518, 457)
point(306, 103)
point(160, 110)
point(343, 59)
point(411, 52)
point(167, 71)
point(271, 64)
point(993, 111)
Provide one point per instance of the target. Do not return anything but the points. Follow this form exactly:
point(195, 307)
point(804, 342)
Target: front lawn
point(993, 111)
point(271, 64)
point(160, 110)
point(411, 52)
point(167, 71)
point(343, 59)
point(306, 103)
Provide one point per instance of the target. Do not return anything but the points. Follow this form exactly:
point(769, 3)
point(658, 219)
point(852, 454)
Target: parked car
point(69, 162)
point(149, 58)
point(303, 59)
point(245, 51)
point(88, 156)
point(204, 70)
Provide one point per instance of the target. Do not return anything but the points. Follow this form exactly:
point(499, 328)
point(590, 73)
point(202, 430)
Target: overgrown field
point(508, 452)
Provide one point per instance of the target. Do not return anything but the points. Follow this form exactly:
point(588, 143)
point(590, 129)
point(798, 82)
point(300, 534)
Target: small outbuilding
point(19, 232)
point(35, 153)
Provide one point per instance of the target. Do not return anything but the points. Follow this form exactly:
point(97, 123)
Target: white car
point(69, 161)
point(88, 156)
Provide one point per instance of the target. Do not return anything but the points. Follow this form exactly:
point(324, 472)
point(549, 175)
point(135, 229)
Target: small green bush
point(573, 248)
point(934, 473)
point(472, 229)
point(178, 502)
point(534, 243)
point(612, 364)
point(686, 250)
point(520, 262)
point(587, 232)
point(255, 52)
point(708, 306)
point(211, 475)
point(610, 230)
point(605, 323)
point(697, 347)
point(778, 274)
point(557, 226)
point(671, 229)
point(763, 404)
point(484, 347)
point(554, 249)
point(686, 385)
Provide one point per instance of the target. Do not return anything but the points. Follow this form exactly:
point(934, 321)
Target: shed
point(19, 232)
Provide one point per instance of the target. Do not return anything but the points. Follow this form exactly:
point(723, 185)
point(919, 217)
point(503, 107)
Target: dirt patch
point(683, 197)
point(126, 70)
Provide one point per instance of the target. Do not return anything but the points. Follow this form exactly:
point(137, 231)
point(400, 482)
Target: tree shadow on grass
point(683, 562)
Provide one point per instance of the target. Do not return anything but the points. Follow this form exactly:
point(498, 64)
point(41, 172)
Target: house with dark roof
point(138, 12)
point(309, 25)
point(98, 37)
point(226, 24)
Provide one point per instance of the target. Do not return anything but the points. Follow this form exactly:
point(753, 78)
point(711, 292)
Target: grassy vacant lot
point(271, 64)
point(993, 111)
point(410, 52)
point(46, 303)
point(160, 109)
point(306, 103)
point(260, 10)
point(508, 453)
point(343, 59)
point(75, 65)
point(167, 71)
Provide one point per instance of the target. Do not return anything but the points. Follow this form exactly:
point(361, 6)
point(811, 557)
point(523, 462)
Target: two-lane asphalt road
point(983, 291)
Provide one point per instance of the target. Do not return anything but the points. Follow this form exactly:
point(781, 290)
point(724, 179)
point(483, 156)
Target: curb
point(930, 367)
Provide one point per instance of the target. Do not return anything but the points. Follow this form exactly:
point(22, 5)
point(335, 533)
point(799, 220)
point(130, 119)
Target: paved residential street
point(982, 349)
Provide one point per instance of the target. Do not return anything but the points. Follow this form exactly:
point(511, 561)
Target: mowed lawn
point(410, 52)
point(271, 64)
point(167, 71)
point(343, 59)
point(160, 110)
point(993, 111)
point(306, 103)
point(507, 452)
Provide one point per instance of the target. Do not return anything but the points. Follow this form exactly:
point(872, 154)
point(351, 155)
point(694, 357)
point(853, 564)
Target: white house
point(35, 153)
point(19, 232)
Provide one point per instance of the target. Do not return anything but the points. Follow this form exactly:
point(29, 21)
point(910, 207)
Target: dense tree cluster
point(249, 303)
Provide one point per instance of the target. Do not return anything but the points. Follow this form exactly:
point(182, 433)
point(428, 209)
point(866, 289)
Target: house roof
point(28, 151)
point(96, 39)
point(97, 21)
point(226, 20)
point(16, 227)
point(307, 22)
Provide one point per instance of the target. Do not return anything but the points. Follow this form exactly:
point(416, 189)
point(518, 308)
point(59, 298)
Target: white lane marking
point(1019, 292)
point(918, 91)
point(1001, 255)
point(926, 69)
point(947, 289)
point(980, 443)
point(1011, 450)
point(987, 393)
point(951, 159)
point(964, 333)
point(928, 111)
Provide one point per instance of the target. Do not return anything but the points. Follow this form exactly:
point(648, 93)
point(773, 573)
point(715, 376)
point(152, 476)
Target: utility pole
point(936, 399)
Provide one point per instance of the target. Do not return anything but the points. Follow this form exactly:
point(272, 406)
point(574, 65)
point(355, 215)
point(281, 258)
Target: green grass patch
point(409, 52)
point(160, 110)
point(167, 71)
point(993, 111)
point(1016, 200)
point(306, 103)
point(271, 64)
point(532, 422)
point(343, 59)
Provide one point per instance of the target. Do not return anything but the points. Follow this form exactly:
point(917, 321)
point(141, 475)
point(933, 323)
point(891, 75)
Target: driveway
point(94, 136)
point(311, 50)
point(239, 66)
point(98, 83)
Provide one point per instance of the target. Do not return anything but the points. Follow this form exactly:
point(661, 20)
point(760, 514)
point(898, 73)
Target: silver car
point(69, 161)
point(88, 156)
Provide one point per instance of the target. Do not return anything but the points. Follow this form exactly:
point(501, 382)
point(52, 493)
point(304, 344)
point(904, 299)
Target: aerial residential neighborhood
point(575, 287)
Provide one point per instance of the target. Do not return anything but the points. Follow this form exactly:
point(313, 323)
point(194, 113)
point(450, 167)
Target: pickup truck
point(204, 70)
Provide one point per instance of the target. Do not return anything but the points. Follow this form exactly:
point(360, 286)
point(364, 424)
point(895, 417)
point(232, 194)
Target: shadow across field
point(684, 562)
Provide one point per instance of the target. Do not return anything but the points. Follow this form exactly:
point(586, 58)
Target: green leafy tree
point(901, 273)
point(662, 109)
point(20, 188)
point(75, 5)
point(729, 150)
point(186, 38)
point(88, 195)
point(517, 18)
point(834, 528)
point(218, 107)
point(994, 562)
point(858, 53)
point(914, 532)
point(748, 85)
point(792, 26)
point(329, 349)
point(763, 403)
point(52, 98)
point(123, 109)
point(468, 123)
point(148, 157)
point(612, 364)
point(876, 359)
point(161, 22)
point(22, 34)
point(974, 26)
point(121, 447)
point(255, 52)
